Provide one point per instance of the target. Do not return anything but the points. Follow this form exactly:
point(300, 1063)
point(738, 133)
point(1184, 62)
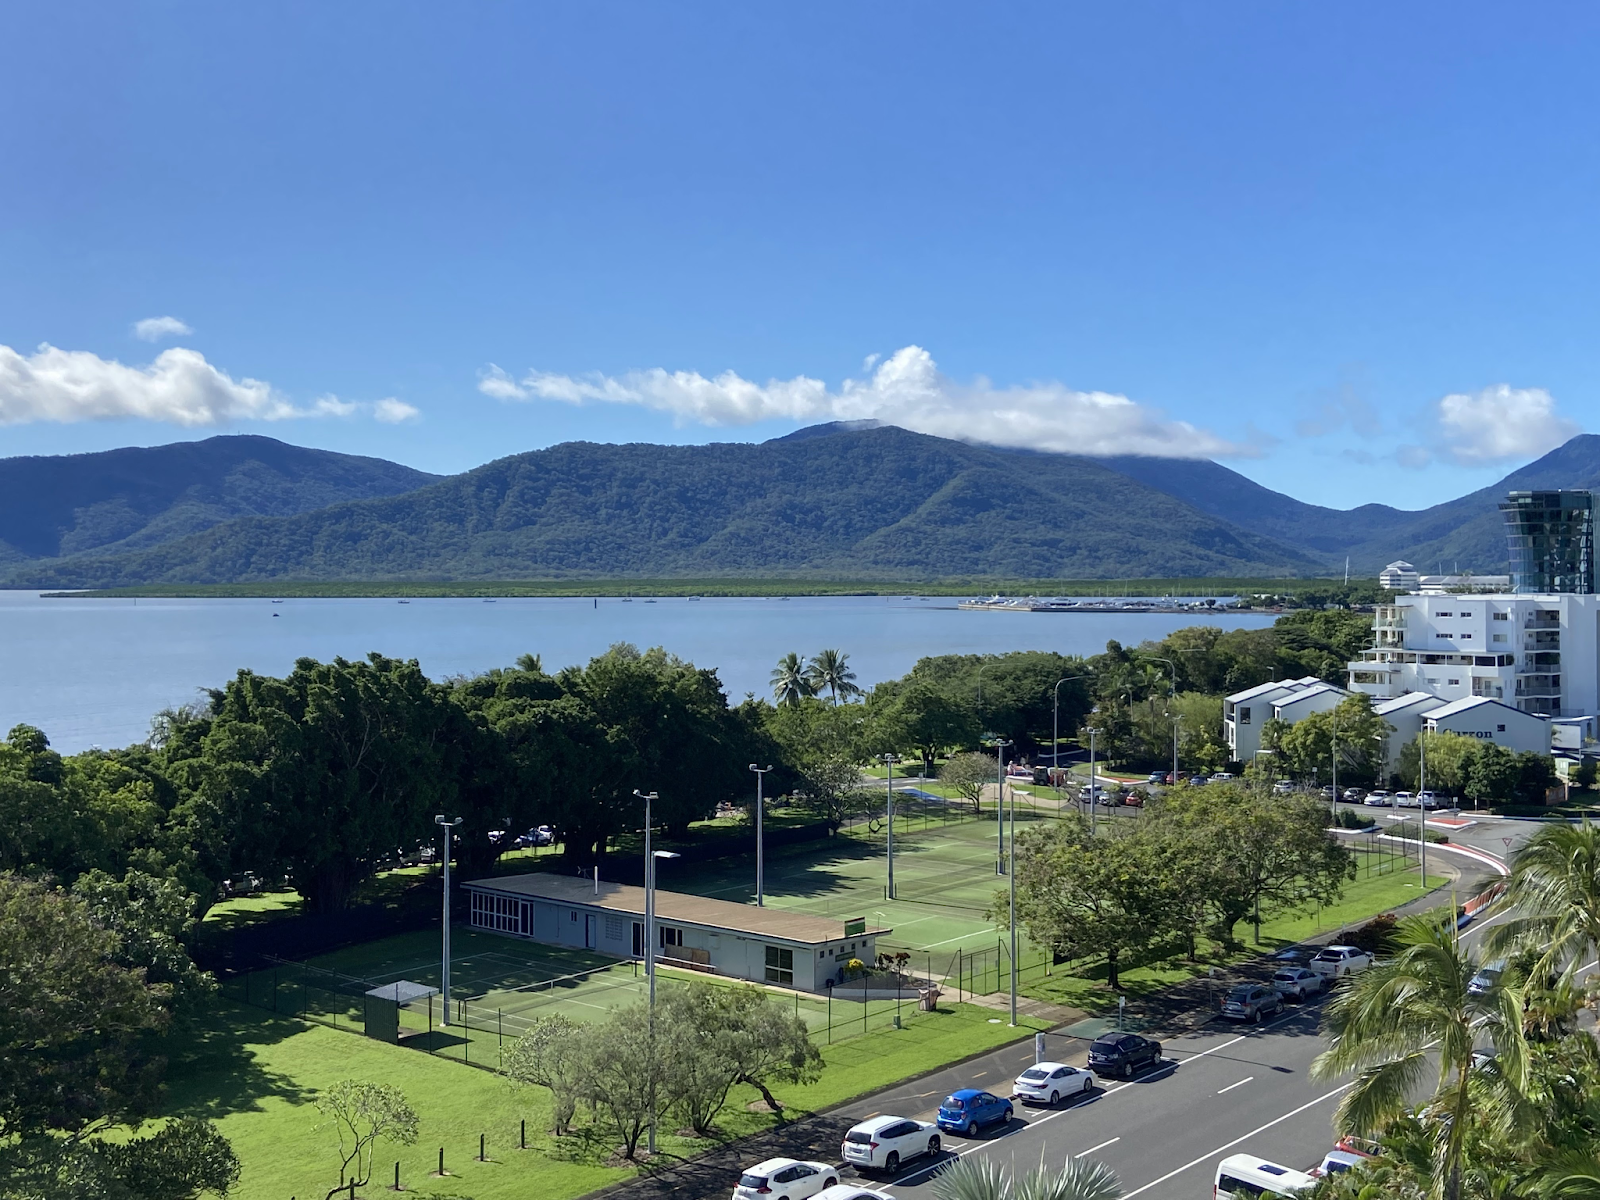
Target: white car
point(785, 1179)
point(1428, 799)
point(1336, 1162)
point(1048, 1082)
point(1298, 982)
point(1284, 787)
point(883, 1143)
point(852, 1191)
point(1379, 799)
point(1405, 800)
point(1335, 962)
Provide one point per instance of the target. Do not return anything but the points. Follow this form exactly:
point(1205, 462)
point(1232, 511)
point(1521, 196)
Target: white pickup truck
point(1334, 962)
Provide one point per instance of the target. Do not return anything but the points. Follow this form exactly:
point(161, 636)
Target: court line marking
point(1231, 1086)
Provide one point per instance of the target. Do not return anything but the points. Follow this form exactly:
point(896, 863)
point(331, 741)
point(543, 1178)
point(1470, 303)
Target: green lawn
point(257, 1075)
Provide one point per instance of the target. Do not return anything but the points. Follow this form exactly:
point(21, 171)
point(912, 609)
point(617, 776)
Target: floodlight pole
point(1333, 805)
point(444, 964)
point(761, 875)
point(888, 761)
point(1000, 745)
point(1055, 733)
point(1093, 787)
point(1422, 807)
point(1011, 878)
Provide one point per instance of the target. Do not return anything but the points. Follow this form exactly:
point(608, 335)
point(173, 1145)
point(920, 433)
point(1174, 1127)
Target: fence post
point(481, 1156)
point(524, 1144)
point(441, 1160)
point(397, 1175)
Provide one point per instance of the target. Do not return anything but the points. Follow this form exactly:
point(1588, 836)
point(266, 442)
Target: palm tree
point(829, 669)
point(791, 682)
point(982, 1179)
point(1387, 1023)
point(1555, 891)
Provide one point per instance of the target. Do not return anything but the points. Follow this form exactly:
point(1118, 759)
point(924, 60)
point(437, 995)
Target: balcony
point(1543, 639)
point(1541, 661)
point(1542, 620)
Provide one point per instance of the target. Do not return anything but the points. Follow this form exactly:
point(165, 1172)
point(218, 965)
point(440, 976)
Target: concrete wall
point(1516, 731)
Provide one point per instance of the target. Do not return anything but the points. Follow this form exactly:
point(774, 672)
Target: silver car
point(1251, 1002)
point(1298, 982)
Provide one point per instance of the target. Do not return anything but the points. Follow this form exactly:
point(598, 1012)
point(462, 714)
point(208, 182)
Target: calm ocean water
point(92, 672)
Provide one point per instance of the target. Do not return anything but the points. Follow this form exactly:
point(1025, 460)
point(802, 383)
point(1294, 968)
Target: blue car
point(968, 1110)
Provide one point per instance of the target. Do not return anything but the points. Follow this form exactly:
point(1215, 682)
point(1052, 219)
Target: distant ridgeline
point(832, 502)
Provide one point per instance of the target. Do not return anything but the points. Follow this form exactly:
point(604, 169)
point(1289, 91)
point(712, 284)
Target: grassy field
point(726, 586)
point(258, 1076)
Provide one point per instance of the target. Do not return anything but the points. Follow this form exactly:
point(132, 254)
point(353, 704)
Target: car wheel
point(1087, 1084)
point(828, 1183)
point(1055, 1097)
point(892, 1163)
point(972, 1129)
point(1256, 1017)
point(933, 1147)
point(1010, 1116)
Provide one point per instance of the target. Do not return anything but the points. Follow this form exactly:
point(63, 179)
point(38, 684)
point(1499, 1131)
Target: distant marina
point(1192, 606)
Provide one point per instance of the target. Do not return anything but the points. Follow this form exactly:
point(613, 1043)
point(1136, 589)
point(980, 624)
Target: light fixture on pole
point(449, 827)
point(1055, 733)
point(1093, 786)
point(1422, 806)
point(1000, 745)
point(888, 761)
point(761, 877)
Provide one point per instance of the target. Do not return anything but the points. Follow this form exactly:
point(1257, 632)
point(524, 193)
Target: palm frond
point(1380, 1094)
point(1074, 1179)
point(972, 1178)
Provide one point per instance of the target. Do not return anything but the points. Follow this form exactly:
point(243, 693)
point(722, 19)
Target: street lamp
point(444, 966)
point(888, 761)
point(1093, 786)
point(650, 857)
point(1055, 732)
point(1176, 721)
point(760, 848)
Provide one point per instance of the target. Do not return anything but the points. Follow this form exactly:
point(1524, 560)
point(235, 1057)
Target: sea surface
point(93, 672)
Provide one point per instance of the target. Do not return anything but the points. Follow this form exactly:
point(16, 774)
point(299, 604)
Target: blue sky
point(1352, 249)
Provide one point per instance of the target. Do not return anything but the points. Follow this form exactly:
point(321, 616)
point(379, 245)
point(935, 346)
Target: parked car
point(541, 835)
point(1283, 787)
point(852, 1191)
point(883, 1143)
point(1405, 800)
point(968, 1110)
point(1246, 1177)
point(1378, 798)
point(1157, 777)
point(1198, 781)
point(1252, 1002)
point(1354, 795)
point(1428, 799)
point(1335, 962)
point(1048, 1082)
point(1335, 1162)
point(1488, 975)
point(1298, 982)
point(1365, 1147)
point(1135, 798)
point(1330, 793)
point(1222, 777)
point(785, 1179)
point(1123, 1054)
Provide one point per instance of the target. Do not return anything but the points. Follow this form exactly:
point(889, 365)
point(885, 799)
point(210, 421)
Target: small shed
point(382, 1007)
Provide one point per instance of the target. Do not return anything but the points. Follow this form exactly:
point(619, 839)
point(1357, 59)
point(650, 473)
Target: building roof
point(1267, 689)
point(1456, 707)
point(403, 991)
point(673, 906)
point(1409, 700)
point(1307, 693)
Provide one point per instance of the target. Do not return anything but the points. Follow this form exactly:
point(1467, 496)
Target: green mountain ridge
point(863, 503)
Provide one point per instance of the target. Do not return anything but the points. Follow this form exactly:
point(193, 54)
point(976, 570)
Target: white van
point(1246, 1177)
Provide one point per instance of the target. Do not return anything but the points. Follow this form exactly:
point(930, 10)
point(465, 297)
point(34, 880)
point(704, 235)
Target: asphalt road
point(1223, 1090)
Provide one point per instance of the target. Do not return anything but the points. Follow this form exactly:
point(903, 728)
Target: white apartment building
point(1399, 577)
point(1244, 713)
point(1537, 653)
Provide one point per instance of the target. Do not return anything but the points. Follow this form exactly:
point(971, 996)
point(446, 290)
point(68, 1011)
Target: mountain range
point(839, 501)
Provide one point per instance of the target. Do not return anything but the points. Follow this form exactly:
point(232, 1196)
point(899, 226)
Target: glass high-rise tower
point(1551, 537)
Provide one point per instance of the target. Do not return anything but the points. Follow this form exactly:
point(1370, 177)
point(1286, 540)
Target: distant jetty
point(1063, 604)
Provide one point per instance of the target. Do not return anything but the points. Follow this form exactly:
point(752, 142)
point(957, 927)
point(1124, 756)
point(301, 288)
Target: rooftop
point(1409, 700)
point(1456, 707)
point(673, 906)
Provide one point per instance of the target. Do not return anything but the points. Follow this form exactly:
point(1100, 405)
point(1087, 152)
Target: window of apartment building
point(1447, 614)
point(1244, 716)
point(1500, 616)
point(780, 965)
point(671, 935)
point(1447, 635)
point(1499, 637)
point(1454, 682)
point(1499, 728)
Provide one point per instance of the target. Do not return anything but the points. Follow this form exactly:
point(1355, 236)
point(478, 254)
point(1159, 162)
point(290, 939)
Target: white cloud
point(153, 329)
point(392, 412)
point(1500, 423)
point(905, 389)
point(179, 387)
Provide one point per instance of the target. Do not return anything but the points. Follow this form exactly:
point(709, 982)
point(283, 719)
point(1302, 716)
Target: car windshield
point(1241, 993)
point(752, 1181)
point(1035, 1073)
point(954, 1102)
point(1287, 976)
point(859, 1137)
point(1331, 955)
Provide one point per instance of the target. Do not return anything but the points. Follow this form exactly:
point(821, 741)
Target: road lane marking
point(1231, 1086)
point(1260, 1129)
point(1092, 1149)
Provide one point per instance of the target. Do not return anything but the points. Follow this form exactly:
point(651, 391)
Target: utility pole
point(1011, 879)
point(888, 761)
point(1055, 733)
point(449, 827)
point(761, 878)
point(1176, 721)
point(1422, 808)
point(1093, 787)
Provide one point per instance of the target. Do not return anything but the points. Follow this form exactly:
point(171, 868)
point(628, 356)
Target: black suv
point(1122, 1054)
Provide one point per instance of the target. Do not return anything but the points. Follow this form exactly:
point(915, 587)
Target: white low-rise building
point(1244, 713)
point(1537, 653)
point(1405, 716)
point(1491, 721)
point(1399, 577)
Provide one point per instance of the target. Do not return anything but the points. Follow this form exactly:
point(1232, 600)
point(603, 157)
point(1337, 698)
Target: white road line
point(1092, 1149)
point(1261, 1129)
point(1231, 1086)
